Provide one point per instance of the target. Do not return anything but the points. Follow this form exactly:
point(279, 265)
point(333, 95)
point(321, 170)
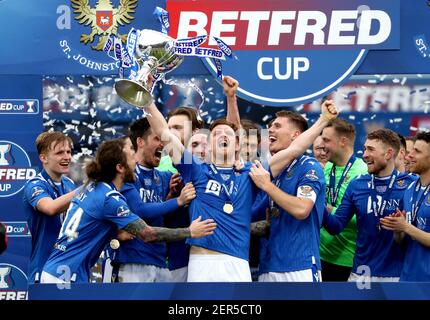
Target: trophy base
point(133, 93)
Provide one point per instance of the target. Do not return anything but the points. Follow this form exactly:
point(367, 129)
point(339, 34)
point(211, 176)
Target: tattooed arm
point(197, 229)
point(260, 228)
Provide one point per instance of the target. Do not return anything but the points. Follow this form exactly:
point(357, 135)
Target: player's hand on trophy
point(149, 82)
point(230, 86)
point(329, 110)
point(199, 228)
point(188, 193)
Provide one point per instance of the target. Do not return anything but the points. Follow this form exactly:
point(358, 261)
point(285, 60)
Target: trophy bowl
point(154, 55)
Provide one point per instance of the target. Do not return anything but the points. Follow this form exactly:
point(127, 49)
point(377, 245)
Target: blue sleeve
point(189, 167)
point(335, 222)
point(116, 210)
point(147, 210)
point(259, 207)
point(311, 176)
point(34, 191)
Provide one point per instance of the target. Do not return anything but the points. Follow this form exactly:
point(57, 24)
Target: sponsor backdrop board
point(20, 123)
point(67, 38)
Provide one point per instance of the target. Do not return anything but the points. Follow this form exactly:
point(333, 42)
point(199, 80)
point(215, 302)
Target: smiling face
point(319, 152)
point(199, 146)
point(419, 157)
point(331, 144)
point(376, 155)
point(281, 133)
point(56, 160)
point(151, 148)
point(181, 126)
point(223, 144)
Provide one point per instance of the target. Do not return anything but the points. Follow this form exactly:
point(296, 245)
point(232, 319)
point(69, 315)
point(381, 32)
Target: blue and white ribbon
point(162, 16)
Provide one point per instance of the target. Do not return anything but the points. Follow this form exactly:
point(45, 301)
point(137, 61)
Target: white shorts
point(353, 277)
point(49, 278)
point(136, 272)
point(179, 275)
point(295, 276)
point(217, 268)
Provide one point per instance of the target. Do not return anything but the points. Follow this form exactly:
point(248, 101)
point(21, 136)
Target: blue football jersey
point(376, 247)
point(153, 187)
point(417, 259)
point(93, 215)
point(233, 221)
point(44, 229)
point(293, 244)
point(178, 252)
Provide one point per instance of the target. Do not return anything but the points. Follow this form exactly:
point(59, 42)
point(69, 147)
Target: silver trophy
point(155, 55)
point(4, 149)
point(4, 272)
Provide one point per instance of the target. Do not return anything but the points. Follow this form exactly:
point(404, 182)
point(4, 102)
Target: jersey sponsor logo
point(381, 189)
point(213, 187)
point(15, 168)
point(19, 106)
point(122, 211)
point(13, 283)
point(35, 191)
point(312, 175)
point(15, 229)
point(101, 22)
point(283, 47)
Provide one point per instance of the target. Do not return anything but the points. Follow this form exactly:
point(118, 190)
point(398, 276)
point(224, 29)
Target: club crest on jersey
point(428, 201)
point(147, 182)
point(400, 183)
point(305, 191)
point(122, 211)
point(312, 175)
point(290, 174)
point(213, 187)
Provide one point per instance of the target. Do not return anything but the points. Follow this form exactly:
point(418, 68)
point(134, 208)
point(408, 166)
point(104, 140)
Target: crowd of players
point(215, 207)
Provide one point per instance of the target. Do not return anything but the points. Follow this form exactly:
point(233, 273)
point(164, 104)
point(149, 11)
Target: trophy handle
point(135, 92)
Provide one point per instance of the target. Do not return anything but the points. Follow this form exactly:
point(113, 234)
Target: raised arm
point(158, 124)
point(197, 229)
point(284, 157)
point(230, 88)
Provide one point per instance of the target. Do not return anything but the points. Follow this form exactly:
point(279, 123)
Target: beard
point(129, 175)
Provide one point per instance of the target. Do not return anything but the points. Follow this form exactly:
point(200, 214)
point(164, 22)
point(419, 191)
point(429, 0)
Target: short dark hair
point(109, 154)
point(248, 125)
point(222, 121)
point(425, 136)
point(402, 141)
point(343, 128)
point(45, 139)
point(139, 129)
point(410, 138)
point(295, 118)
point(190, 113)
point(386, 136)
